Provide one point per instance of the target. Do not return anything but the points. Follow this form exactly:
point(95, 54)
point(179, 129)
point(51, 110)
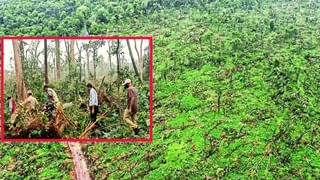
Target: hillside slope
point(236, 87)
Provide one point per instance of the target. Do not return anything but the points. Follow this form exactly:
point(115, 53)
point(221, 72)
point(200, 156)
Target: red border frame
point(149, 139)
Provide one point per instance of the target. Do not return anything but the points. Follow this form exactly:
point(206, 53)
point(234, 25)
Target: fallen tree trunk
point(78, 158)
point(90, 126)
point(79, 161)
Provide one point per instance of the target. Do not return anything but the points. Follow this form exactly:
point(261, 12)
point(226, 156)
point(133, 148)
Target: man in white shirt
point(93, 102)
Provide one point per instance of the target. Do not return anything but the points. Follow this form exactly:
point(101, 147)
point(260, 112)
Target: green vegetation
point(31, 161)
point(236, 85)
point(68, 72)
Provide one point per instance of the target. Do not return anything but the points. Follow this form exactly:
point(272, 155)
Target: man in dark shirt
point(132, 108)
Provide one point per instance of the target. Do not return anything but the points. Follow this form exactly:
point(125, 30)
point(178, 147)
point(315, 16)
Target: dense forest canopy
point(236, 88)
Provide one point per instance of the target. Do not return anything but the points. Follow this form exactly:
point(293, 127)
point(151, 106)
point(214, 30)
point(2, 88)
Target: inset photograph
point(77, 88)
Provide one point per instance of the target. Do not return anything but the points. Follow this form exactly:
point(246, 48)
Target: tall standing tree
point(34, 54)
point(118, 74)
point(140, 57)
point(95, 45)
point(46, 77)
point(3, 82)
point(51, 55)
point(94, 59)
point(132, 60)
point(80, 59)
point(21, 46)
point(72, 53)
point(57, 52)
point(20, 86)
point(109, 51)
point(86, 47)
point(73, 57)
point(70, 56)
point(67, 46)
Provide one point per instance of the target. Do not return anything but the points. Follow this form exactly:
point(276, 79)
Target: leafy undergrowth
point(35, 161)
point(236, 94)
point(109, 122)
point(107, 126)
point(188, 142)
point(225, 118)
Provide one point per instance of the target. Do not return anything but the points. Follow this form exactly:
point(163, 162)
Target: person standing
point(132, 107)
point(93, 102)
point(12, 105)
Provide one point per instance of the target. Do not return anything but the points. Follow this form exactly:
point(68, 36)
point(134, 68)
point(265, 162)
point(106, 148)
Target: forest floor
point(38, 126)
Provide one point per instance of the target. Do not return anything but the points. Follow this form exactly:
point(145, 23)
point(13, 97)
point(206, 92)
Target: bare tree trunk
point(136, 48)
point(36, 54)
point(67, 45)
point(140, 61)
point(0, 86)
point(118, 76)
point(22, 57)
point(80, 64)
point(54, 69)
point(72, 54)
point(132, 60)
point(21, 90)
point(84, 71)
point(79, 161)
point(72, 58)
point(94, 58)
point(58, 70)
point(121, 61)
point(46, 78)
point(109, 54)
point(88, 62)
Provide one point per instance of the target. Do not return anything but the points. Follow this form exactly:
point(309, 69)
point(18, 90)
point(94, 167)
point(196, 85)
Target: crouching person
point(50, 110)
point(30, 103)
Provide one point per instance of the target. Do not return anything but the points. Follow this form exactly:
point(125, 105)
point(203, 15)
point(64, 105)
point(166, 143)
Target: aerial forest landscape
point(236, 89)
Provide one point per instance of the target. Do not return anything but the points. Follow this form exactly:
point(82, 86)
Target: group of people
point(30, 103)
point(131, 110)
point(129, 116)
